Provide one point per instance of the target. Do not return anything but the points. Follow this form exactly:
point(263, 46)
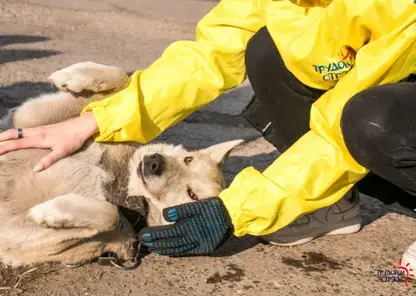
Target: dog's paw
point(47, 215)
point(88, 76)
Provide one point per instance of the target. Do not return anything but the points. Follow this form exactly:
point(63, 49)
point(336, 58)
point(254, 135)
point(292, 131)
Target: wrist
point(226, 214)
point(89, 123)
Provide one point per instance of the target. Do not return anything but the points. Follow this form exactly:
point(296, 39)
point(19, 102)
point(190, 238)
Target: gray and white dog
point(68, 213)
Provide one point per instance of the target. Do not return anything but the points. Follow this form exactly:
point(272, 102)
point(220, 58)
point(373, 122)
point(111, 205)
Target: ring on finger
point(19, 133)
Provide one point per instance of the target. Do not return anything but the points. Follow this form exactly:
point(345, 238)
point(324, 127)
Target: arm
point(187, 76)
point(318, 170)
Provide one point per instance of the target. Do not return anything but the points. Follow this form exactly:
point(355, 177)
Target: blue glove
point(199, 229)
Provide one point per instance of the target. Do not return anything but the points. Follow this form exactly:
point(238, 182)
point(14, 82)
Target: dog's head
point(168, 175)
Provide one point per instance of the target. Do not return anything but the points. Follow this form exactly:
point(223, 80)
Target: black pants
point(378, 124)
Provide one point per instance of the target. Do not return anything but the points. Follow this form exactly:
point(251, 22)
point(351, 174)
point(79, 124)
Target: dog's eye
point(192, 195)
point(188, 159)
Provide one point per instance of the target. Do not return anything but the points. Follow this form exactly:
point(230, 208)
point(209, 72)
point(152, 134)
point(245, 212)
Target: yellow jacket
point(343, 46)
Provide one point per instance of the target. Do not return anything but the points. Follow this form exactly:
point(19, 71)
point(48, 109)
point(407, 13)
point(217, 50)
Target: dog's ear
point(219, 152)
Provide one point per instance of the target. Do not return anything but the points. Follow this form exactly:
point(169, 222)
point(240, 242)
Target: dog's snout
point(153, 164)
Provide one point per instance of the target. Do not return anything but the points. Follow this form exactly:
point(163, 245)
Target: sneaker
point(342, 217)
point(409, 257)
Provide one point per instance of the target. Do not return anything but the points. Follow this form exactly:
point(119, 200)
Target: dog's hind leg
point(75, 211)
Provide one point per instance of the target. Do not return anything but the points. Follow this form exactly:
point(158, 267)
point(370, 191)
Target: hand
point(62, 138)
point(200, 228)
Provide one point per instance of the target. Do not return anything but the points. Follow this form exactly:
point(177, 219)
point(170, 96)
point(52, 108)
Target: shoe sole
point(351, 226)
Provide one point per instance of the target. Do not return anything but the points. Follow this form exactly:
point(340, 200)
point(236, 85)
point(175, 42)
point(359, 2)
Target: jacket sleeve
point(188, 75)
point(318, 170)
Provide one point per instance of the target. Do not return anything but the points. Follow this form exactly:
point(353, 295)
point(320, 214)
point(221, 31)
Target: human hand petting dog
point(62, 138)
point(199, 229)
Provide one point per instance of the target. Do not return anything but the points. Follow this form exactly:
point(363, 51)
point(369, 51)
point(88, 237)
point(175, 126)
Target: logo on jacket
point(335, 70)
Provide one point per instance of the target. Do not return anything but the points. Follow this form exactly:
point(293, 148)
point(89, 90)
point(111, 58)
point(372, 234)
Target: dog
point(70, 212)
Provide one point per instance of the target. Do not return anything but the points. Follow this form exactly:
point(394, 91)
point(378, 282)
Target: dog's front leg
point(75, 211)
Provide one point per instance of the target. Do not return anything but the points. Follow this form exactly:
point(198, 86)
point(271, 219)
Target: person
point(333, 79)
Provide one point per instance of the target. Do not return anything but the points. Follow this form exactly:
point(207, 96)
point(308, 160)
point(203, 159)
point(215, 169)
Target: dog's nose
point(153, 164)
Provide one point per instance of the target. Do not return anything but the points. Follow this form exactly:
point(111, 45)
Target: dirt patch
point(312, 261)
point(234, 274)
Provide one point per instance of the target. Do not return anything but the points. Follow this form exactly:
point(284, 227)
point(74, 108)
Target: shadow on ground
point(14, 55)
point(20, 39)
point(15, 94)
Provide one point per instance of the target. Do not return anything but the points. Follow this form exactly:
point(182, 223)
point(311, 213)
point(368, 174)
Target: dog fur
point(69, 213)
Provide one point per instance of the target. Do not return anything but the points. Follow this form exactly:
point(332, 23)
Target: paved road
point(38, 37)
